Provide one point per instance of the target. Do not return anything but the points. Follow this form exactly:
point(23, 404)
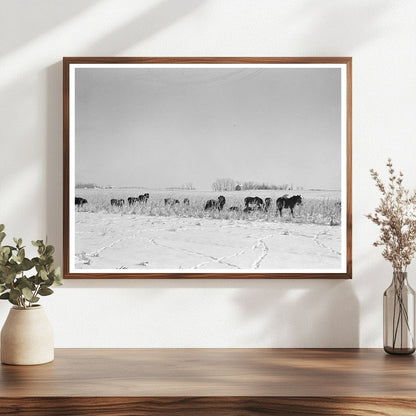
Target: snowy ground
point(114, 241)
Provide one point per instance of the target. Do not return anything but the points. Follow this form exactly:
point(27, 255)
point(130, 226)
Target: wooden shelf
point(212, 382)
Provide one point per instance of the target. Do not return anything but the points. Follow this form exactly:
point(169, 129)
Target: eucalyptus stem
point(23, 280)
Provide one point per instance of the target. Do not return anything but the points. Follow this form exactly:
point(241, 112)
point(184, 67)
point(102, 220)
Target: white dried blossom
point(396, 216)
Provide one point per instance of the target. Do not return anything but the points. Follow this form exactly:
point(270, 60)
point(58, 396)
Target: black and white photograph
point(207, 168)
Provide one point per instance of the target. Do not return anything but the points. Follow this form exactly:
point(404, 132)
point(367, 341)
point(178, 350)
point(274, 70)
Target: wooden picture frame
point(206, 112)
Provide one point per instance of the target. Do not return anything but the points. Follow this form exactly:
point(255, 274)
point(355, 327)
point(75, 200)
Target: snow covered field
point(114, 240)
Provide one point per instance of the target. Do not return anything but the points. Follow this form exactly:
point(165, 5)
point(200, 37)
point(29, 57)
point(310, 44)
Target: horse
point(215, 204)
point(80, 201)
point(171, 201)
point(267, 202)
point(285, 202)
point(254, 202)
point(117, 202)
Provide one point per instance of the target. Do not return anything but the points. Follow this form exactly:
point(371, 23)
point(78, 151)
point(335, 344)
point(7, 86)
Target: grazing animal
point(248, 201)
point(143, 198)
point(80, 201)
point(139, 199)
point(215, 204)
point(254, 202)
point(186, 201)
point(285, 202)
point(267, 203)
point(132, 200)
point(171, 201)
point(117, 202)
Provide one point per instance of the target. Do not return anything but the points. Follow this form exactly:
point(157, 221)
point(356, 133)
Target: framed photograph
point(207, 168)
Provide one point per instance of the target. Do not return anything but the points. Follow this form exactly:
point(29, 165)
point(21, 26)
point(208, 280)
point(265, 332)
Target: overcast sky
point(161, 127)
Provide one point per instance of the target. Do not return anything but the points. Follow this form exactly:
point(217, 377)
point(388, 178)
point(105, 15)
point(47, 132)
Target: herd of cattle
point(250, 203)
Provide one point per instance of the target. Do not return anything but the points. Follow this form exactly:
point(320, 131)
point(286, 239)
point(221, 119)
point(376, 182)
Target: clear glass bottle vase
point(399, 316)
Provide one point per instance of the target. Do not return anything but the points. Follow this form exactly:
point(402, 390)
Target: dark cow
point(215, 204)
point(285, 202)
point(80, 201)
point(186, 201)
point(171, 201)
point(117, 202)
point(267, 203)
point(254, 202)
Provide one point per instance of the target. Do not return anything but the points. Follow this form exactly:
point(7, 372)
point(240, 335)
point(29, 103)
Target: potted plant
point(396, 217)
point(27, 336)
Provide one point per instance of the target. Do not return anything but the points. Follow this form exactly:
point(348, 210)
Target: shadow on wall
point(301, 313)
point(54, 146)
point(142, 27)
point(45, 16)
point(145, 25)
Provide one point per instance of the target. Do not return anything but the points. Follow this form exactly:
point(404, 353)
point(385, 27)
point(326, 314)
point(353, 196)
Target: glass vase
point(399, 316)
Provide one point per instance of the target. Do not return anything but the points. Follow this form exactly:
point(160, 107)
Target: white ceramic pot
point(27, 337)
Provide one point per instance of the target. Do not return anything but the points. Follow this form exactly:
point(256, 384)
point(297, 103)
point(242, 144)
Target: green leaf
point(37, 280)
point(43, 274)
point(58, 276)
point(9, 277)
point(45, 291)
point(5, 250)
point(24, 282)
point(11, 248)
point(3, 258)
point(13, 302)
point(15, 293)
point(2, 236)
point(21, 255)
point(27, 293)
point(2, 227)
point(2, 288)
point(26, 264)
point(37, 243)
point(49, 250)
point(5, 295)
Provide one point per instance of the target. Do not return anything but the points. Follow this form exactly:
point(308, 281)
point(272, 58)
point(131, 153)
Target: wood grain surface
point(212, 381)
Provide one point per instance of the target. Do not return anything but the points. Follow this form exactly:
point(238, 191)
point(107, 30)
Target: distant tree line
point(227, 184)
point(86, 185)
point(91, 186)
point(189, 186)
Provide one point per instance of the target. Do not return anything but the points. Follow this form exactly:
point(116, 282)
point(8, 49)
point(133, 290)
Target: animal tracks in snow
point(139, 242)
point(321, 244)
point(264, 250)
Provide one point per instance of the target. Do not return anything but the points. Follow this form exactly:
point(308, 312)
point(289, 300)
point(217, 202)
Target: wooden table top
point(214, 372)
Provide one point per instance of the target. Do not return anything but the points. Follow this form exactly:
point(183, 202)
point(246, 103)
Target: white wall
point(380, 35)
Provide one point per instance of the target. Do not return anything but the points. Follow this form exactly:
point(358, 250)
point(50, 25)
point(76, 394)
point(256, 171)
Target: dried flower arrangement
point(396, 216)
